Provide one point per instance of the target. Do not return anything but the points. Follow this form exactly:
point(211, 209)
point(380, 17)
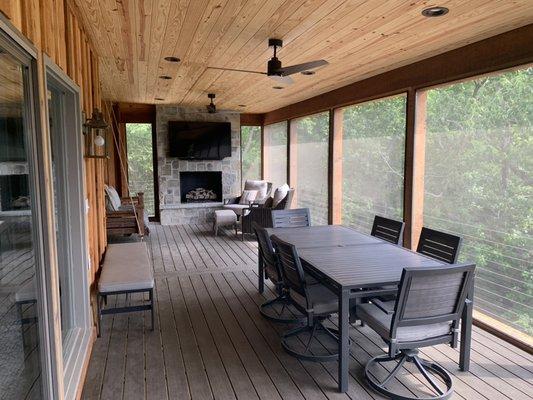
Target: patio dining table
point(346, 261)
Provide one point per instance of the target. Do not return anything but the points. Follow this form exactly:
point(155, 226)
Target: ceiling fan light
point(436, 11)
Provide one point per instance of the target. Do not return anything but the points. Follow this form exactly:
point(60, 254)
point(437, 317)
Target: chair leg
point(425, 367)
point(306, 355)
point(152, 308)
point(263, 309)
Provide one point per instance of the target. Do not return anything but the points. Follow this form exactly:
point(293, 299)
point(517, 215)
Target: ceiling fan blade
point(285, 80)
point(294, 69)
point(237, 70)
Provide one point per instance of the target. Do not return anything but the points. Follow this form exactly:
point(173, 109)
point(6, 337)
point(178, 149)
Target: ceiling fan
point(274, 68)
point(211, 107)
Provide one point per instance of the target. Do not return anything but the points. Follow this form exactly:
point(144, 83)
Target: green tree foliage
point(140, 165)
point(251, 152)
point(479, 184)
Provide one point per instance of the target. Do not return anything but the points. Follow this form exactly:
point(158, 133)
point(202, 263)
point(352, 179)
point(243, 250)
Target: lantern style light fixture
point(95, 129)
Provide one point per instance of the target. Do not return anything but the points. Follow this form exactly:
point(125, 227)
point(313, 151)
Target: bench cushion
point(126, 266)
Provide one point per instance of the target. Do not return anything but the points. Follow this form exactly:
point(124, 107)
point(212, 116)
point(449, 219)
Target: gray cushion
point(380, 321)
point(225, 217)
point(237, 208)
point(248, 196)
point(26, 293)
point(323, 300)
point(126, 267)
point(260, 186)
point(280, 194)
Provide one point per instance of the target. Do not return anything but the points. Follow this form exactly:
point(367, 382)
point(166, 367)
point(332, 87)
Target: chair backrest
point(291, 266)
point(431, 295)
point(439, 245)
point(388, 229)
point(266, 252)
point(299, 217)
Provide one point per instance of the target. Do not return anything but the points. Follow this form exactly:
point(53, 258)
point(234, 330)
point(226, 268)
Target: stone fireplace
point(179, 177)
point(201, 186)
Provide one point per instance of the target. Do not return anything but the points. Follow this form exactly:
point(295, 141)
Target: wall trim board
point(499, 52)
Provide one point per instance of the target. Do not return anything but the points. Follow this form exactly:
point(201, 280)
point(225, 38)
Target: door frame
point(76, 353)
point(45, 278)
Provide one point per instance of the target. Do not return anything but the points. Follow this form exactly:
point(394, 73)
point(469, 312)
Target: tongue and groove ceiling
point(358, 38)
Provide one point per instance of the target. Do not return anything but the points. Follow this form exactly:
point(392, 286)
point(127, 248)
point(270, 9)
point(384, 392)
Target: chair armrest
point(382, 306)
point(232, 200)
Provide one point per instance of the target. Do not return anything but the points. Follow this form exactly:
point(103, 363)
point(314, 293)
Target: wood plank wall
point(54, 28)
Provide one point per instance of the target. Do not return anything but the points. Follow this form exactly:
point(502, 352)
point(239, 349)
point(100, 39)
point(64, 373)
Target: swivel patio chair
point(315, 301)
point(426, 313)
point(439, 245)
point(296, 218)
point(388, 229)
point(272, 271)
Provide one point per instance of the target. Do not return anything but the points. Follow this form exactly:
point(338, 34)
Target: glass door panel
point(20, 365)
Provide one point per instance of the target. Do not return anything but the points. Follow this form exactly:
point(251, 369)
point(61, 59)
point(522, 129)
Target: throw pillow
point(248, 196)
point(280, 194)
point(114, 198)
point(260, 186)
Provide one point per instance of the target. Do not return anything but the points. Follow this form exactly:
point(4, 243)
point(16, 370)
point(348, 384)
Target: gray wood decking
point(211, 342)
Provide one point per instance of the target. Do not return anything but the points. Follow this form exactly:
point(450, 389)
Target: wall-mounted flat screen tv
point(199, 140)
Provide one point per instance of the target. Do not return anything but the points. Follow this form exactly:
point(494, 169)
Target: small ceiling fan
point(274, 68)
point(211, 107)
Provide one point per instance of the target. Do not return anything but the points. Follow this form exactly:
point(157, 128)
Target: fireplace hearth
point(201, 186)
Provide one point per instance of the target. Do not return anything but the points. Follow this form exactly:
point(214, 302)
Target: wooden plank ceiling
point(358, 38)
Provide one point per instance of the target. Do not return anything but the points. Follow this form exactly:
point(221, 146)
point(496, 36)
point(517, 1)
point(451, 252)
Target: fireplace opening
point(201, 186)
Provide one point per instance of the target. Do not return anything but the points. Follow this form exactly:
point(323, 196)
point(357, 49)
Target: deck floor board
point(210, 341)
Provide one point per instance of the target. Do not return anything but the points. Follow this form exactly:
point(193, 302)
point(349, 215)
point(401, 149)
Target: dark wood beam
point(499, 52)
point(136, 113)
point(252, 119)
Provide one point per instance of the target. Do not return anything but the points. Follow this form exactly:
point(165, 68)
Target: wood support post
point(414, 167)
point(292, 163)
point(336, 118)
point(265, 154)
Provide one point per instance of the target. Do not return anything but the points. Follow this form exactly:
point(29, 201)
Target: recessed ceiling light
point(308, 72)
point(159, 99)
point(165, 77)
point(436, 11)
point(172, 59)
point(277, 87)
point(242, 105)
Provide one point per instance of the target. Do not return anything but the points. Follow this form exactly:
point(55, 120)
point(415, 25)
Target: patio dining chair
point(315, 301)
point(426, 313)
point(272, 269)
point(388, 229)
point(439, 245)
point(296, 218)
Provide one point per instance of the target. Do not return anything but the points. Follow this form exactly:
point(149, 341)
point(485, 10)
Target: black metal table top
point(323, 236)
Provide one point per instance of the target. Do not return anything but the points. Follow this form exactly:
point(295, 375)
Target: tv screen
point(199, 140)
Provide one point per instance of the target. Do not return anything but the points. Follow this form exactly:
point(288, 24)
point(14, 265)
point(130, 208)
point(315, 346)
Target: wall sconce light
point(95, 129)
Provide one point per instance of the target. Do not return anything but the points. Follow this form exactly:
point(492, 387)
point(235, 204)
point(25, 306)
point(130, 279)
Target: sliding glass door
point(21, 319)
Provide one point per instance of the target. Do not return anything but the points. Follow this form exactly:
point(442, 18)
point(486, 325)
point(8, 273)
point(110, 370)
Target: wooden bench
point(126, 269)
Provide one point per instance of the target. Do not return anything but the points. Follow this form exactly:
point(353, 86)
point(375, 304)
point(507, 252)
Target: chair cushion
point(380, 322)
point(26, 293)
point(248, 196)
point(260, 186)
point(280, 194)
point(322, 300)
point(126, 267)
point(114, 202)
point(236, 208)
point(225, 217)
